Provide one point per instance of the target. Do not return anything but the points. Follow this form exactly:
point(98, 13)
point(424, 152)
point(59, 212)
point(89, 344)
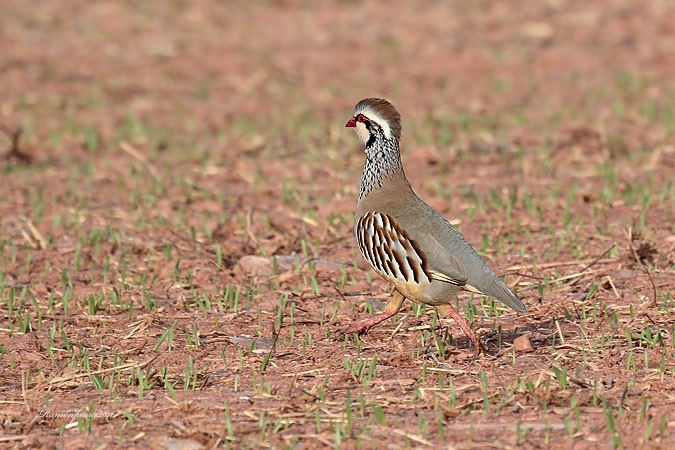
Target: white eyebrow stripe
point(374, 116)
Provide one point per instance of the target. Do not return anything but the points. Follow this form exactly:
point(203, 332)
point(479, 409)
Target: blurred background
point(216, 74)
point(155, 154)
point(532, 97)
point(265, 87)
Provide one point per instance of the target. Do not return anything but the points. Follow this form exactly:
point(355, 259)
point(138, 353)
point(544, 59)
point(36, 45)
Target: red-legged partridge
point(406, 241)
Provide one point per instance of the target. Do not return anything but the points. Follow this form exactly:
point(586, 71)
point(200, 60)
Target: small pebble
point(522, 344)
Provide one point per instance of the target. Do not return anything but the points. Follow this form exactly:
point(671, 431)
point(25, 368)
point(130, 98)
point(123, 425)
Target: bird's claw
point(354, 329)
point(479, 346)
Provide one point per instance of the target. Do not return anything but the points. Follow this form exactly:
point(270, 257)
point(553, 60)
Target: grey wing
point(439, 262)
point(442, 264)
point(480, 278)
point(451, 258)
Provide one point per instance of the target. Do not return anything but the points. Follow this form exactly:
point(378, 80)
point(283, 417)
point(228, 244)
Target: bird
point(406, 241)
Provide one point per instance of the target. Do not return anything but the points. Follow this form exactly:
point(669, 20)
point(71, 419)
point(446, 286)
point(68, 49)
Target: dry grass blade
point(65, 379)
point(519, 267)
point(35, 234)
point(140, 157)
point(629, 234)
point(13, 438)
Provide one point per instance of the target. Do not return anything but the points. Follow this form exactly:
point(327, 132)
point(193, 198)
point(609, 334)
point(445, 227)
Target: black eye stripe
point(374, 129)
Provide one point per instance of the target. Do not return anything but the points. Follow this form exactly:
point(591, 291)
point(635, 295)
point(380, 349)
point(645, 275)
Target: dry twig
point(14, 148)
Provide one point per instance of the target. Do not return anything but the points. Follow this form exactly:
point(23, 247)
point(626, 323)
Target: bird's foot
point(366, 325)
point(478, 345)
point(477, 342)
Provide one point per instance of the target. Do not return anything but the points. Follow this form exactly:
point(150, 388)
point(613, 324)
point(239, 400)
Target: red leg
point(389, 311)
point(448, 310)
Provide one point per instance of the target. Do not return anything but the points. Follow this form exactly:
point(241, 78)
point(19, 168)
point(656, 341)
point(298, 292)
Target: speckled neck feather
point(383, 160)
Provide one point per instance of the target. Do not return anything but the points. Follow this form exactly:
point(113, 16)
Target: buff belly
point(434, 293)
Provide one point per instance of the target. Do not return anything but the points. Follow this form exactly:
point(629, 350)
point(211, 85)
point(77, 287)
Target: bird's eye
point(361, 118)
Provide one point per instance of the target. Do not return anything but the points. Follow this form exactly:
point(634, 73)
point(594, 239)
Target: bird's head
point(375, 119)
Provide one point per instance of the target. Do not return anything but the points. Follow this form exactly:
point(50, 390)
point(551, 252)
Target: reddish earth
point(176, 249)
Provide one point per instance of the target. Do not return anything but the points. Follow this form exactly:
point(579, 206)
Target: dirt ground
point(176, 199)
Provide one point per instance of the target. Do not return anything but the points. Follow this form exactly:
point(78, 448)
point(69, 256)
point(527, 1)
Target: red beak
point(351, 123)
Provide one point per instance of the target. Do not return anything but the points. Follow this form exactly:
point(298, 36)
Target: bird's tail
point(501, 292)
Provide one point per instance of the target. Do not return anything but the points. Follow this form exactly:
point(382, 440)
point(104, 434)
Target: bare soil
point(176, 248)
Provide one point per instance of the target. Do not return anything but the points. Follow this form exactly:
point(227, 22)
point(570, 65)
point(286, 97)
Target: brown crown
point(384, 109)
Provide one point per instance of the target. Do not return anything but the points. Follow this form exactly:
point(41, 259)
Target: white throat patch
point(362, 132)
